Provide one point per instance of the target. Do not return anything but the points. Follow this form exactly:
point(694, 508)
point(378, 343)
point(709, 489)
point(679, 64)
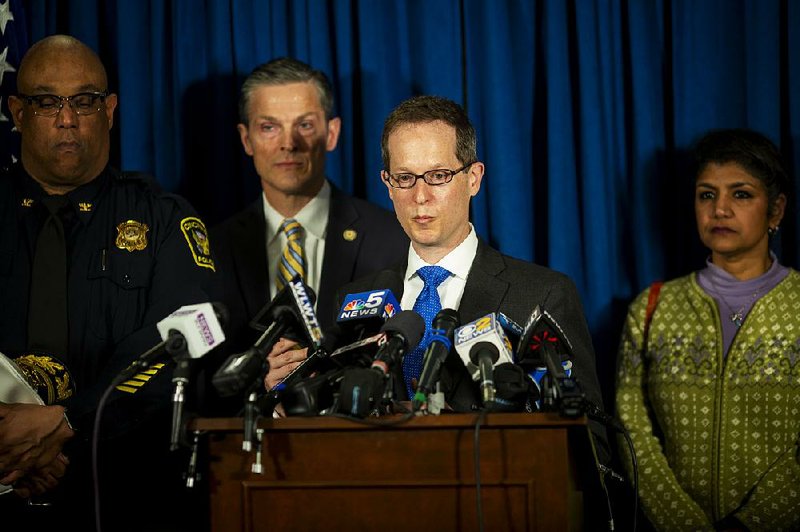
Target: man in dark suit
point(431, 171)
point(287, 126)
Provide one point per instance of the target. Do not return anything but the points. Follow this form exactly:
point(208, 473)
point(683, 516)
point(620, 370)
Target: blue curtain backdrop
point(584, 109)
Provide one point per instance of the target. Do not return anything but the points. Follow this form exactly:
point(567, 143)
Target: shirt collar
point(458, 261)
point(313, 217)
point(82, 200)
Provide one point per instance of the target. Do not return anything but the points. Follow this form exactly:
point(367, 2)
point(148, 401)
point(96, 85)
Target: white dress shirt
point(314, 219)
point(458, 262)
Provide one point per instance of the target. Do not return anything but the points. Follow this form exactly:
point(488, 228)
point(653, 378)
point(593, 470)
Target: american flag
point(13, 44)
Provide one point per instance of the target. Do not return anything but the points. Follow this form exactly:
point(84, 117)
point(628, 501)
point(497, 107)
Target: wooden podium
point(328, 473)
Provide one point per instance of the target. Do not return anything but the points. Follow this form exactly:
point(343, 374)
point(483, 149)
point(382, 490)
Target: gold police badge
point(197, 237)
point(132, 235)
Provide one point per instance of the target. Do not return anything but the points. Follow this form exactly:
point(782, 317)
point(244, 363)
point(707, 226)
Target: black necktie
point(47, 310)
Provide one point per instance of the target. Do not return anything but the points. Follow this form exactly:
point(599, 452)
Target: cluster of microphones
point(516, 367)
point(350, 370)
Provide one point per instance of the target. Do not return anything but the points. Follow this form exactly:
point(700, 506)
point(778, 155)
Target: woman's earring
point(772, 231)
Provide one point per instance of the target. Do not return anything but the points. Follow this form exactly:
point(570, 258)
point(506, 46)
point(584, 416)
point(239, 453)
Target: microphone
point(403, 332)
point(362, 388)
point(363, 313)
point(544, 345)
point(207, 320)
point(191, 331)
point(312, 396)
point(367, 311)
point(485, 355)
point(512, 329)
point(516, 391)
point(441, 342)
point(360, 317)
point(290, 313)
point(483, 331)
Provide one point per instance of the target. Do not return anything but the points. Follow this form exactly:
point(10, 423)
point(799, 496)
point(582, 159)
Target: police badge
point(132, 235)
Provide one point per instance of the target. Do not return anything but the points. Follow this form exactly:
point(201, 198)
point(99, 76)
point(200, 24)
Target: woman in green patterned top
point(711, 397)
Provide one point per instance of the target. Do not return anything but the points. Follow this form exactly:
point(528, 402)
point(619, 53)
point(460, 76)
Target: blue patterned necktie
point(428, 306)
point(293, 260)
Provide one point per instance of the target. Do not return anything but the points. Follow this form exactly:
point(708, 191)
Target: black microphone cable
point(594, 412)
point(476, 458)
point(175, 343)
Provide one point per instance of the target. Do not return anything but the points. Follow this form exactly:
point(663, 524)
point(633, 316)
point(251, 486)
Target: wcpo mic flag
point(199, 326)
point(13, 44)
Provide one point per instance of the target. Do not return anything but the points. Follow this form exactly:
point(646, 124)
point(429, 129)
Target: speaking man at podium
point(431, 172)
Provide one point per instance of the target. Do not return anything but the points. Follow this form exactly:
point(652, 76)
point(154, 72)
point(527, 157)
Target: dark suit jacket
point(243, 282)
point(498, 283)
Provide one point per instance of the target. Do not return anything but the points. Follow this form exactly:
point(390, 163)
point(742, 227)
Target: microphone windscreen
point(360, 390)
point(483, 348)
point(447, 320)
point(391, 280)
point(407, 324)
point(513, 388)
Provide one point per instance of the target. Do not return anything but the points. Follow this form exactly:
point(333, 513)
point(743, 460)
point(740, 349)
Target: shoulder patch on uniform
point(197, 237)
point(132, 235)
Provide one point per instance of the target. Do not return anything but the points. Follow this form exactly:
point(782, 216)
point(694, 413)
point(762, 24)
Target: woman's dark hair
point(752, 151)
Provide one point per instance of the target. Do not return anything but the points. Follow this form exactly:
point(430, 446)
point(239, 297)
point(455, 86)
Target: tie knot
point(54, 204)
point(433, 275)
point(291, 228)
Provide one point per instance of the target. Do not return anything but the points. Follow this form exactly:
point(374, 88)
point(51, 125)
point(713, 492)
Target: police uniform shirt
point(134, 253)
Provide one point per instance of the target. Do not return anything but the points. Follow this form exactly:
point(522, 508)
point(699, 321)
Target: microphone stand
point(177, 348)
point(560, 391)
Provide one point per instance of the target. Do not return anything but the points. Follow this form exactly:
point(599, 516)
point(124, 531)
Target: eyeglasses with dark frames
point(434, 178)
point(83, 103)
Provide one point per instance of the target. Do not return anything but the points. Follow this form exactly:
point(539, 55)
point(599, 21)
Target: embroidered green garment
point(714, 436)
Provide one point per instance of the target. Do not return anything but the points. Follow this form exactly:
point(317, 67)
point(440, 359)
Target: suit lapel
point(250, 257)
point(484, 291)
point(340, 256)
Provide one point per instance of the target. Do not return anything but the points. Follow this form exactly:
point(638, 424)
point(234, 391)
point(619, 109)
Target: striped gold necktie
point(293, 259)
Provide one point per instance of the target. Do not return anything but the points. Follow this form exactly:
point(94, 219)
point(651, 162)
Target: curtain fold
point(584, 109)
